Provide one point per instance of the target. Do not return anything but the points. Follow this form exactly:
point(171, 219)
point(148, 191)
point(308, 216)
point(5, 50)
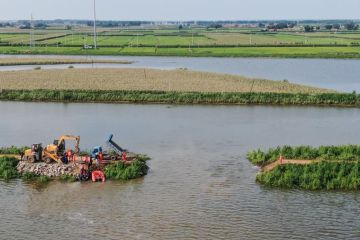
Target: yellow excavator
point(53, 152)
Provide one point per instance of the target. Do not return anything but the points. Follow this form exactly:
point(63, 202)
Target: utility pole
point(95, 40)
point(32, 42)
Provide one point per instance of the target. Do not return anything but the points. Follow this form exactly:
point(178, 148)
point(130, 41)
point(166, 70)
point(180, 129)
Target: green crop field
point(166, 41)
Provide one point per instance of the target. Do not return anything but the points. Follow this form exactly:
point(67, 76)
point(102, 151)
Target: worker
point(65, 159)
point(84, 174)
point(281, 159)
point(101, 157)
point(123, 156)
point(70, 155)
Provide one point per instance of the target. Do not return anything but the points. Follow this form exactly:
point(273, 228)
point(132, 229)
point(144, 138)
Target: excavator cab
point(34, 154)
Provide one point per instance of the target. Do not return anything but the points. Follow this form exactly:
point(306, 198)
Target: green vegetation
point(8, 171)
point(32, 177)
point(12, 61)
point(8, 168)
point(317, 176)
point(326, 99)
point(333, 167)
point(122, 171)
point(282, 51)
point(302, 42)
point(346, 153)
point(68, 178)
point(13, 150)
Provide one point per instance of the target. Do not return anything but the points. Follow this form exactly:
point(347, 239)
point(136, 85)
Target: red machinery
point(98, 176)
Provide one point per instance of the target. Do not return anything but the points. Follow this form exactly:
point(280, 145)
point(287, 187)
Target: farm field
point(278, 52)
point(186, 42)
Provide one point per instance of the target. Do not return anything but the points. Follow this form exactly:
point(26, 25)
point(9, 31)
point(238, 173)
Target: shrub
point(317, 176)
point(121, 171)
point(8, 168)
point(330, 153)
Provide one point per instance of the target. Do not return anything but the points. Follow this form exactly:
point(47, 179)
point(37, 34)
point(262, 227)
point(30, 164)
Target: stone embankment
point(50, 170)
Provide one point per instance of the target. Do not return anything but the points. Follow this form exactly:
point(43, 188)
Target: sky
point(181, 10)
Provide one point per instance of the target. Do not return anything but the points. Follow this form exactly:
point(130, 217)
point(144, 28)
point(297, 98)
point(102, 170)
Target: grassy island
point(161, 86)
point(305, 167)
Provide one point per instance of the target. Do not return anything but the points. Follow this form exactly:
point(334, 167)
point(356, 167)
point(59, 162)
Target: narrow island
point(15, 61)
point(55, 162)
point(306, 167)
point(179, 86)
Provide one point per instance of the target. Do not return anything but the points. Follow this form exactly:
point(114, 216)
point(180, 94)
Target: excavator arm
point(63, 138)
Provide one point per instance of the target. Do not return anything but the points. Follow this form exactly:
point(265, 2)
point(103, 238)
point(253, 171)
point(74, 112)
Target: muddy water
point(200, 185)
point(342, 75)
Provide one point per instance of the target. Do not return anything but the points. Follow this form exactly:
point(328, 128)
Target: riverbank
point(305, 167)
point(162, 97)
point(17, 61)
point(336, 52)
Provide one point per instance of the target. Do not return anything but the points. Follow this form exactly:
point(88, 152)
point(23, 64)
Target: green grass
point(32, 177)
point(8, 168)
point(173, 37)
point(317, 176)
point(68, 178)
point(121, 171)
point(8, 171)
point(324, 99)
point(346, 153)
point(338, 168)
point(342, 52)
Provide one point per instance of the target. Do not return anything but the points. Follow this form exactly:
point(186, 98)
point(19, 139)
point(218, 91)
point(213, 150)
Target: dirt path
point(273, 165)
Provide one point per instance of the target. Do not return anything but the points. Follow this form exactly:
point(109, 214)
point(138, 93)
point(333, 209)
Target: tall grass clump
point(329, 153)
point(8, 168)
point(122, 171)
point(316, 176)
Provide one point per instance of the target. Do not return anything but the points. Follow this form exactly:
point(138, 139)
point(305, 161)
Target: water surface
point(200, 185)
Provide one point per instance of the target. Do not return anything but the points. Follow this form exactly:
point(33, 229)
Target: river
point(341, 75)
point(200, 186)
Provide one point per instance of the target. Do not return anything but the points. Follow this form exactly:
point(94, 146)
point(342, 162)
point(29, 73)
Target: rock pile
point(50, 170)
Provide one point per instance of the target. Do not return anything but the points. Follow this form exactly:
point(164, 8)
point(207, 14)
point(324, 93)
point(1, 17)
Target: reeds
point(146, 80)
point(110, 96)
point(8, 168)
point(346, 153)
point(122, 171)
point(317, 176)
